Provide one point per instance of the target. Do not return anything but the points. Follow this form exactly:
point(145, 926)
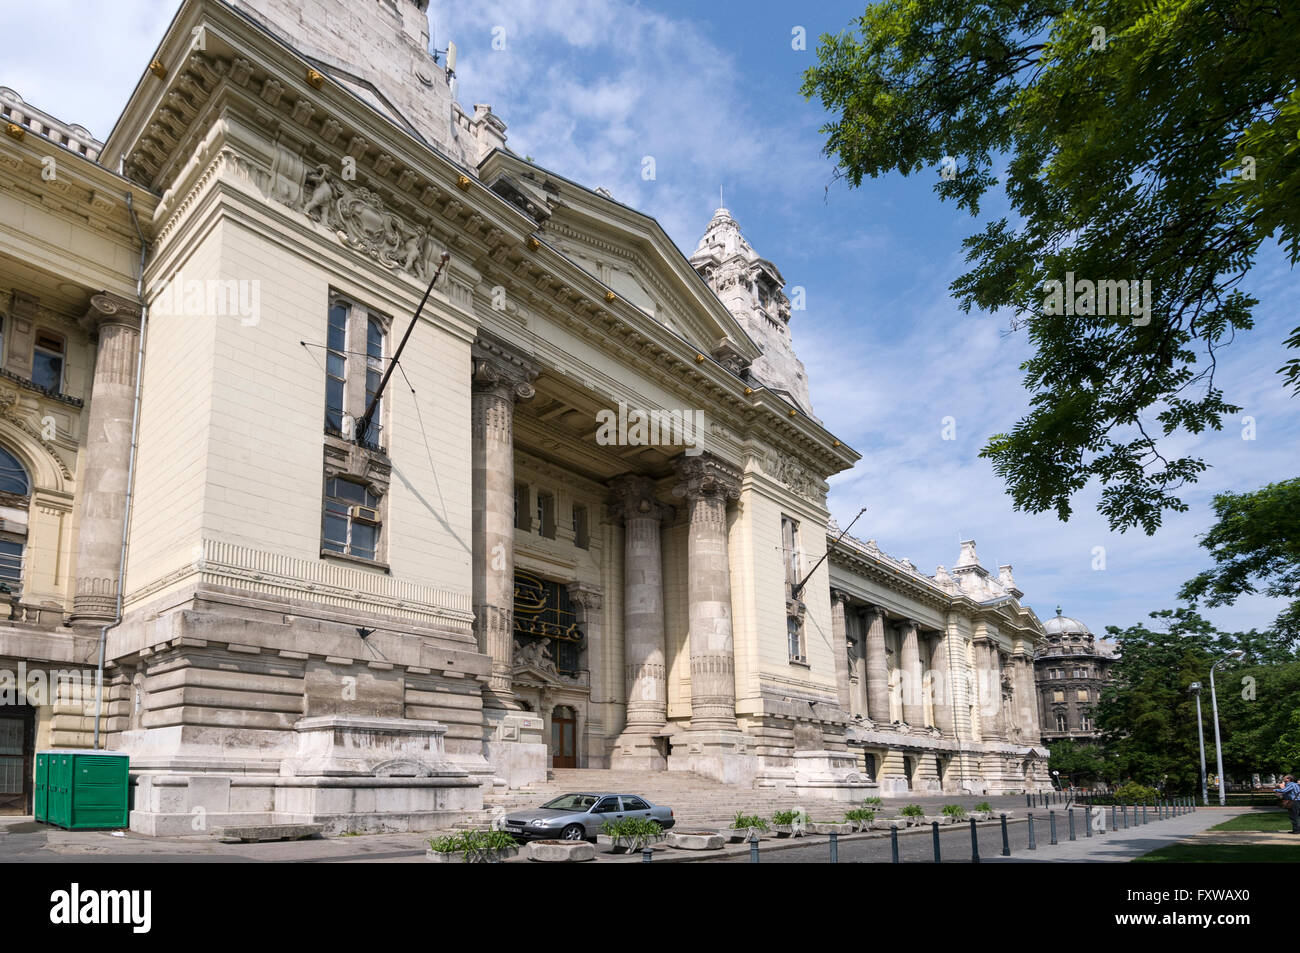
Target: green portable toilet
point(81, 789)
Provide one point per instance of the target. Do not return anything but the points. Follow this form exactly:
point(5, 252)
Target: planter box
point(861, 825)
point(844, 828)
point(560, 851)
point(621, 846)
point(981, 815)
point(696, 840)
point(740, 835)
point(789, 830)
point(475, 857)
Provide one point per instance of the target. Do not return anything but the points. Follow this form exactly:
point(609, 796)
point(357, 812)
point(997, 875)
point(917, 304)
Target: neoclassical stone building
point(1071, 667)
point(581, 523)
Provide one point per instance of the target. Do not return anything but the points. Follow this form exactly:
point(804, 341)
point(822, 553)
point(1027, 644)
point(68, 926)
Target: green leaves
point(1125, 162)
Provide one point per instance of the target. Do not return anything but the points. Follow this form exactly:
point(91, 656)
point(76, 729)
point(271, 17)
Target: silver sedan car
point(581, 816)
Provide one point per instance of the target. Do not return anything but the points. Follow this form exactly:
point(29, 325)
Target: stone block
point(560, 851)
point(696, 840)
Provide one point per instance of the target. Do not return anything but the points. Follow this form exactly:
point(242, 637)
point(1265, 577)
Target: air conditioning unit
point(364, 514)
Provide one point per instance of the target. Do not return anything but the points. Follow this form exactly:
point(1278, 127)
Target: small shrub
point(984, 807)
point(1134, 793)
point(790, 818)
point(743, 821)
point(913, 810)
point(860, 814)
point(954, 810)
point(635, 832)
point(474, 844)
point(874, 802)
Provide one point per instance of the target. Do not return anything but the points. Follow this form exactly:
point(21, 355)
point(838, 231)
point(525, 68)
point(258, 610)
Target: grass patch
point(1222, 854)
point(1257, 821)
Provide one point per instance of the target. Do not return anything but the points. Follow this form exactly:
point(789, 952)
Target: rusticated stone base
point(725, 756)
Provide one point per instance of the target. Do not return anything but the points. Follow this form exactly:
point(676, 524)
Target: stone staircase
point(696, 801)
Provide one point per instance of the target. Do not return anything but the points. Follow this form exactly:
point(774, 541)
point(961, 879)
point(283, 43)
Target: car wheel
point(574, 832)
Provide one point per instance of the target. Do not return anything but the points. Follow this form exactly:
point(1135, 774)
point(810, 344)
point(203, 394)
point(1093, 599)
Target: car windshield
point(572, 802)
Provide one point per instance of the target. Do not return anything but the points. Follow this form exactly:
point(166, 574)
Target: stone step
point(253, 834)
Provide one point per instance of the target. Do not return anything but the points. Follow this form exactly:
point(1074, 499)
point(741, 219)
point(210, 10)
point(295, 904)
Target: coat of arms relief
point(356, 215)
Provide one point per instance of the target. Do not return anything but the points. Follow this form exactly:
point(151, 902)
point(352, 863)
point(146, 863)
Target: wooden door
point(564, 730)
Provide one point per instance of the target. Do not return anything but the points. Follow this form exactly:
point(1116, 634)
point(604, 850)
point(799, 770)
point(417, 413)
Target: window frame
point(350, 547)
point(61, 354)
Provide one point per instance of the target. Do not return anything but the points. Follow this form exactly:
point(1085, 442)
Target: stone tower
point(750, 287)
point(379, 49)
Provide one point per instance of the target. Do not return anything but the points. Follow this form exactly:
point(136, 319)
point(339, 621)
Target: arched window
point(15, 493)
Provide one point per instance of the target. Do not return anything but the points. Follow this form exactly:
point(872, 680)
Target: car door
point(637, 807)
point(606, 809)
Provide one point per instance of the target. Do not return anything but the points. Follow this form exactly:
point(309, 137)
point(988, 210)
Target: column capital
point(589, 598)
point(871, 610)
point(107, 308)
point(499, 369)
point(634, 496)
point(840, 596)
point(702, 474)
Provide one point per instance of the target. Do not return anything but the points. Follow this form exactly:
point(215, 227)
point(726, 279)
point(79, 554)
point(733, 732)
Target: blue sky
point(591, 87)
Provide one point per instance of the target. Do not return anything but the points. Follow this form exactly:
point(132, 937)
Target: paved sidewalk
point(1122, 846)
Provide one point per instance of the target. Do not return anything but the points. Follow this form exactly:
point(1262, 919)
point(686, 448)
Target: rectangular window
point(546, 515)
point(790, 549)
point(1081, 695)
point(794, 629)
point(581, 534)
point(1058, 696)
point(47, 363)
point(1085, 723)
point(1062, 723)
point(351, 385)
point(11, 565)
point(351, 519)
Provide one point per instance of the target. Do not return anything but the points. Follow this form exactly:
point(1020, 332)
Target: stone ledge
point(267, 832)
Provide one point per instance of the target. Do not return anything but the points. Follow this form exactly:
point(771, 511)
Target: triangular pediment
point(625, 250)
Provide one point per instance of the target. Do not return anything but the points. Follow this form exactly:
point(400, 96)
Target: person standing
point(1290, 792)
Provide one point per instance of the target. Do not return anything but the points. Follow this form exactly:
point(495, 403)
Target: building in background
point(584, 525)
point(1071, 667)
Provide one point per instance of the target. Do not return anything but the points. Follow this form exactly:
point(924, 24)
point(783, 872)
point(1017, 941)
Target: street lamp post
point(1218, 747)
point(1195, 689)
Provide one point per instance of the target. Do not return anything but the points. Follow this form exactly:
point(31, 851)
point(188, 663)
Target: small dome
point(1064, 625)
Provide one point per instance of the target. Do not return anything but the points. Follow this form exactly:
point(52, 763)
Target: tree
point(1148, 717)
point(1143, 143)
point(1077, 763)
point(1255, 542)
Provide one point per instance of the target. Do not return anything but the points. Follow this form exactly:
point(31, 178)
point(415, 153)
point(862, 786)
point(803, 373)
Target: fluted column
point(989, 680)
point(840, 646)
point(107, 454)
point(643, 603)
point(910, 665)
point(941, 689)
point(1026, 704)
point(707, 484)
point(877, 666)
point(498, 381)
point(860, 667)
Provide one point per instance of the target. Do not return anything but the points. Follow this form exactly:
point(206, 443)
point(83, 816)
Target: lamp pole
point(1195, 689)
point(1218, 746)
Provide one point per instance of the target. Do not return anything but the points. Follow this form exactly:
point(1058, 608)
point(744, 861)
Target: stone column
point(102, 494)
point(588, 608)
point(860, 667)
point(877, 666)
point(499, 379)
point(840, 646)
point(707, 484)
point(1026, 704)
point(910, 665)
point(643, 603)
point(989, 680)
point(941, 688)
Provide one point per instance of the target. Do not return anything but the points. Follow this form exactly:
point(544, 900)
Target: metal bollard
point(753, 847)
point(934, 826)
point(1144, 813)
point(647, 855)
point(893, 843)
point(1124, 808)
point(1114, 818)
point(1029, 799)
point(1032, 846)
point(1071, 812)
point(835, 848)
point(1087, 822)
point(1006, 844)
point(1051, 823)
point(974, 843)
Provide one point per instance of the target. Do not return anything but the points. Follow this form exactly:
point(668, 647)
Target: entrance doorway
point(564, 731)
point(17, 746)
point(908, 768)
